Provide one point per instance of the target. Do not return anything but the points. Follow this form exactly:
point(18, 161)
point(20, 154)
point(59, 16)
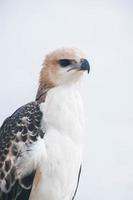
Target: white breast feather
point(64, 122)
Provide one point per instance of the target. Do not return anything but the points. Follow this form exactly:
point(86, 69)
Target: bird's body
point(59, 171)
point(41, 143)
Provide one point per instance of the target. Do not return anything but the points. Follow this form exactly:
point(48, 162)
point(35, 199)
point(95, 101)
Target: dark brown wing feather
point(21, 129)
point(77, 183)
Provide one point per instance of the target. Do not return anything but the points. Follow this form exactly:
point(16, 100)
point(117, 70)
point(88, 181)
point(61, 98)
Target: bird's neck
point(42, 92)
point(63, 111)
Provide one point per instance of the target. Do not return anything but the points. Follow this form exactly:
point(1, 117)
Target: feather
point(18, 136)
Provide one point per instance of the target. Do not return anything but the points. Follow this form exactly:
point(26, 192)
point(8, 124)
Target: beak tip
point(85, 65)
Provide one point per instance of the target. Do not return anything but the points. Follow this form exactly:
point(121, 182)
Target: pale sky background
point(104, 31)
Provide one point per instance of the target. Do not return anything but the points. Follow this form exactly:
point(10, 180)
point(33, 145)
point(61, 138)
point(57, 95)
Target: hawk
point(41, 142)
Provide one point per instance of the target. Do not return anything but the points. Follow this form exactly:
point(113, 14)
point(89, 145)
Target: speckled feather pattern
point(17, 134)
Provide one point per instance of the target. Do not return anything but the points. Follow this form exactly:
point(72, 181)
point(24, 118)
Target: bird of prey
point(41, 142)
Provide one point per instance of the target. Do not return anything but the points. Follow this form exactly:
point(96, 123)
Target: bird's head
point(63, 66)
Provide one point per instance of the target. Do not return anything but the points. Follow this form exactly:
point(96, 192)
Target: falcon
point(41, 142)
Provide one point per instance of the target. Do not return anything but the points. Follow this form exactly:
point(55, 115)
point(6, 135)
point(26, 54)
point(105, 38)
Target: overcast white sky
point(104, 31)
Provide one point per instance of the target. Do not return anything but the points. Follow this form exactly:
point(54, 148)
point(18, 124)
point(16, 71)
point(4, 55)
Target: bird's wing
point(21, 145)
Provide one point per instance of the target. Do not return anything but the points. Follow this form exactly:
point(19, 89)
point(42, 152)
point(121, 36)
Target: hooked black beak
point(84, 65)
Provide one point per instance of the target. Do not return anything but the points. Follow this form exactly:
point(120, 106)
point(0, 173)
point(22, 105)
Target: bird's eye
point(64, 62)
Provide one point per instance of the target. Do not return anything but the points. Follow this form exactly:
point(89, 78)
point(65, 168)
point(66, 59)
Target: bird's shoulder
point(26, 117)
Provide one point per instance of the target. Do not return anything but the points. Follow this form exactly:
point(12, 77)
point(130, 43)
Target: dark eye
point(64, 62)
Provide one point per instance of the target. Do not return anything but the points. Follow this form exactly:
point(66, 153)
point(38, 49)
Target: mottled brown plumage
point(22, 128)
